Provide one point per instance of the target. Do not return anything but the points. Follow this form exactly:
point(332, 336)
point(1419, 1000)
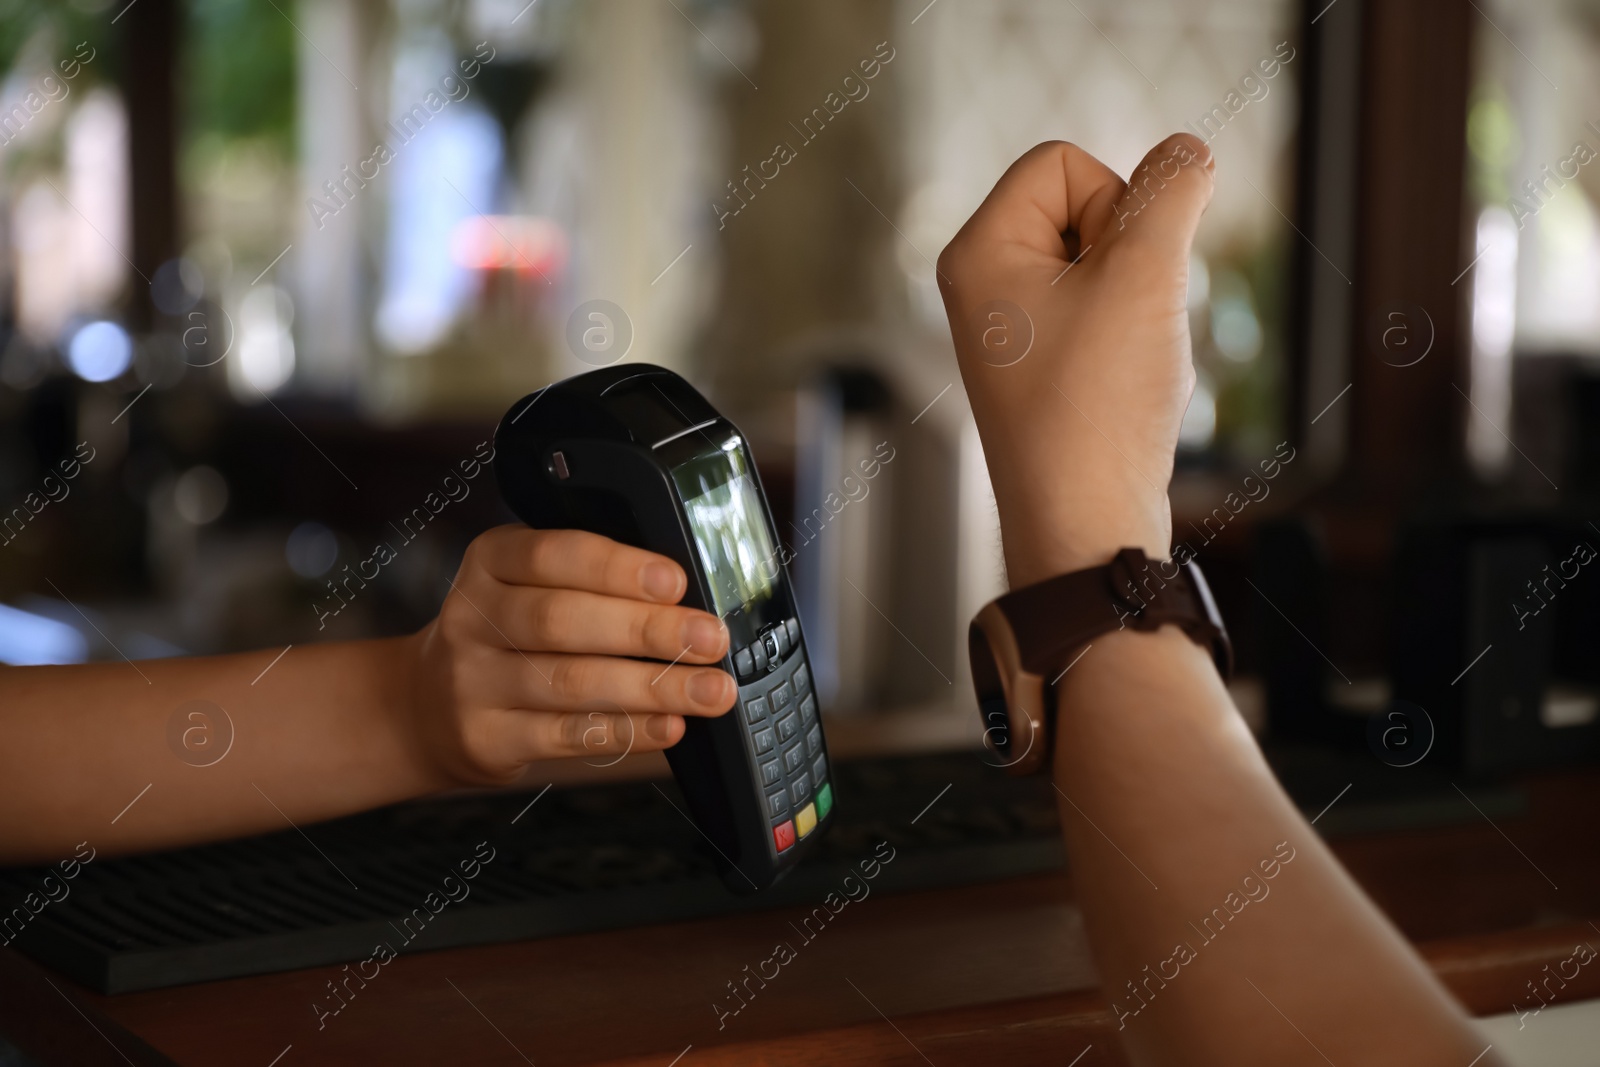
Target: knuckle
point(604, 731)
point(616, 567)
point(544, 548)
point(638, 689)
point(658, 629)
point(460, 680)
point(476, 743)
point(574, 729)
point(954, 258)
point(571, 677)
point(453, 618)
point(678, 695)
point(552, 614)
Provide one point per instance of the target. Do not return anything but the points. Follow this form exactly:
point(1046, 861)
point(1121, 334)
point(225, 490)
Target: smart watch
point(1021, 643)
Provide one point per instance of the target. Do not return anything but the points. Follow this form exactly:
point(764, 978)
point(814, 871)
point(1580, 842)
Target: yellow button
point(806, 820)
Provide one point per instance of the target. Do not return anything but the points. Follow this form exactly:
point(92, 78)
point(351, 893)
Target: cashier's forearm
point(129, 757)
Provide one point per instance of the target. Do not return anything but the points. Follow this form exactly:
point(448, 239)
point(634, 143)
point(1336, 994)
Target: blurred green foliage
point(237, 77)
point(1251, 404)
point(239, 70)
point(66, 23)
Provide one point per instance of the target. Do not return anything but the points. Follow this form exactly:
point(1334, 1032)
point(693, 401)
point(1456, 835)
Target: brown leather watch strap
point(1019, 644)
point(1053, 618)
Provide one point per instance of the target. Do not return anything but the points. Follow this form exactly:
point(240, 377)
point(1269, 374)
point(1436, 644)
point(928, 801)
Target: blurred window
point(1116, 77)
point(1533, 169)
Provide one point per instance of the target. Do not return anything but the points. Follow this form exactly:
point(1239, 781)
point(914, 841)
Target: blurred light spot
point(1199, 282)
point(454, 163)
point(1565, 706)
point(1558, 310)
point(266, 347)
point(1200, 421)
point(100, 351)
point(311, 549)
point(1235, 329)
point(200, 495)
point(28, 640)
point(1494, 321)
point(508, 242)
point(177, 286)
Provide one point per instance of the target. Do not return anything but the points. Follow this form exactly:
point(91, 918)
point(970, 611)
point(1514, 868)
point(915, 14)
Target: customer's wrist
point(1068, 505)
point(1043, 538)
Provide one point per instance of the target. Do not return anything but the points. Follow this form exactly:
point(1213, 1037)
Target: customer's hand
point(533, 656)
point(1079, 426)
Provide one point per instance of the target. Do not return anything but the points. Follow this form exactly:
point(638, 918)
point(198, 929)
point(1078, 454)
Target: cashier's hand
point(540, 651)
point(1079, 369)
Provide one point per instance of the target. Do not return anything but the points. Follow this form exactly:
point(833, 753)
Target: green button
point(824, 799)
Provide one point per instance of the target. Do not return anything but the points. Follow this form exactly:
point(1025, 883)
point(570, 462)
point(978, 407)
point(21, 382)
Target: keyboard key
point(782, 696)
point(758, 650)
point(794, 759)
point(814, 740)
point(745, 664)
point(771, 773)
point(783, 836)
point(782, 637)
point(763, 740)
point(808, 708)
point(800, 788)
point(787, 728)
point(802, 679)
point(792, 628)
point(824, 799)
point(774, 649)
point(755, 709)
point(819, 769)
point(777, 803)
point(805, 820)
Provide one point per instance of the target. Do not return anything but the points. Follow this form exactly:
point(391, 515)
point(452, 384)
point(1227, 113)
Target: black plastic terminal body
point(598, 452)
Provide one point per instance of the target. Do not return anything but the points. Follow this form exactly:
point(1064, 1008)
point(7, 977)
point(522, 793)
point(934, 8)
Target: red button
point(783, 836)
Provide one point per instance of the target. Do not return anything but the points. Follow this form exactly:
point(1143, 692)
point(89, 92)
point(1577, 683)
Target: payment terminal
point(635, 453)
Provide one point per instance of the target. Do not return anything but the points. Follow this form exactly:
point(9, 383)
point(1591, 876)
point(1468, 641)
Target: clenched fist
point(1066, 293)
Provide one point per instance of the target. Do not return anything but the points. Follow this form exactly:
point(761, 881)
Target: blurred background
point(272, 270)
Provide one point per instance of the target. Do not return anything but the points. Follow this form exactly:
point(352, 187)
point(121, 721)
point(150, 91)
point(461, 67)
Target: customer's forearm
point(1223, 928)
point(226, 745)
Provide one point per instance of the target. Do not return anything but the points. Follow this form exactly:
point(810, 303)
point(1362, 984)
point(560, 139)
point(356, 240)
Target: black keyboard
point(595, 858)
point(577, 860)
